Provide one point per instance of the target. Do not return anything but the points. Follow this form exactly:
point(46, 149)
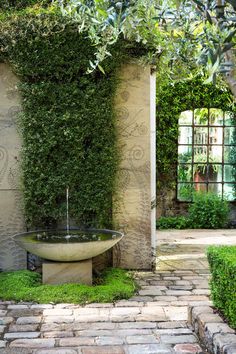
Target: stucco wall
point(136, 182)
point(11, 217)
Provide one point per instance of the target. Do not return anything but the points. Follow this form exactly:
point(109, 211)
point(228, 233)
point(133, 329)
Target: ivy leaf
point(101, 69)
point(102, 12)
point(200, 5)
point(209, 17)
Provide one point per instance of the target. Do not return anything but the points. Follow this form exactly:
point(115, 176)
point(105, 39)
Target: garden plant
point(207, 211)
point(222, 262)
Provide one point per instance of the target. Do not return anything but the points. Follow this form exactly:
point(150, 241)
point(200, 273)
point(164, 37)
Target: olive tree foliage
point(183, 37)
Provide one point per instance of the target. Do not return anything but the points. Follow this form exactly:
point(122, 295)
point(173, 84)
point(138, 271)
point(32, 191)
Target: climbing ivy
point(68, 118)
point(172, 99)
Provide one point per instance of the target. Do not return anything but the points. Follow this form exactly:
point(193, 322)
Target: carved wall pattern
point(11, 218)
point(132, 204)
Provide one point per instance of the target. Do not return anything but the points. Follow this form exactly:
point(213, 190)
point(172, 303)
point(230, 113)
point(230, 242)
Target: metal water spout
point(67, 212)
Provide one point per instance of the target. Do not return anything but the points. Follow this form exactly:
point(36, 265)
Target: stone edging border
point(216, 335)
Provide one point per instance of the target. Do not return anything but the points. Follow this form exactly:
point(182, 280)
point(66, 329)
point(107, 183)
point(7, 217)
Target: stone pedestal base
point(67, 272)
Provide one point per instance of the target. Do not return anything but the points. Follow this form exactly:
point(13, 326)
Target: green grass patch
point(222, 262)
point(24, 285)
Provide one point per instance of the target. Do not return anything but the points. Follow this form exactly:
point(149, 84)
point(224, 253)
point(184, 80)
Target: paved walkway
point(154, 321)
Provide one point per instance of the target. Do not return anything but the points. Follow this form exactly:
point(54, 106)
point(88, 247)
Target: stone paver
point(56, 351)
point(28, 320)
point(148, 349)
point(33, 343)
point(155, 320)
point(103, 350)
point(15, 335)
point(168, 339)
point(187, 348)
point(23, 328)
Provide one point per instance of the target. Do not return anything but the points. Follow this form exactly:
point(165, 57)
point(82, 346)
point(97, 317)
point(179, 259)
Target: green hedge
point(222, 262)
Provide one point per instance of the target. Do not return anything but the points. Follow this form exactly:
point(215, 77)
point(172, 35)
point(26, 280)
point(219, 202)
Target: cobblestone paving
point(154, 321)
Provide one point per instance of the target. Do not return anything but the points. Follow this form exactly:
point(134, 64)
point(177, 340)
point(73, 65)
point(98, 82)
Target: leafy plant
point(185, 192)
point(173, 222)
point(24, 285)
point(222, 261)
point(183, 32)
point(208, 211)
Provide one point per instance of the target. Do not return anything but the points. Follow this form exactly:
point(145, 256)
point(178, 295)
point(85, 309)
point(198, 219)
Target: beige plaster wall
point(11, 218)
point(132, 204)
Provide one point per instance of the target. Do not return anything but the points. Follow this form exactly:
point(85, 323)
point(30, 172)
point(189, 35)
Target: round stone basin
point(57, 245)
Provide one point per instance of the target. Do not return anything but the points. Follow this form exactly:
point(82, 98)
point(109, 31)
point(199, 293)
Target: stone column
point(134, 203)
point(11, 219)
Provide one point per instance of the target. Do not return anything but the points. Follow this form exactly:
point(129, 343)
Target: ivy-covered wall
point(172, 99)
point(67, 122)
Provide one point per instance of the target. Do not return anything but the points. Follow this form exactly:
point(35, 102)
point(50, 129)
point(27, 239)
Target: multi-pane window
point(207, 153)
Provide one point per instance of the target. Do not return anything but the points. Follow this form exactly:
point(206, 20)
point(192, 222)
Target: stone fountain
point(68, 256)
point(68, 253)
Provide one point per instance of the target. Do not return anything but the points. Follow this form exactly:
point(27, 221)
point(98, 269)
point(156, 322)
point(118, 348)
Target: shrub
point(173, 222)
point(208, 211)
point(222, 262)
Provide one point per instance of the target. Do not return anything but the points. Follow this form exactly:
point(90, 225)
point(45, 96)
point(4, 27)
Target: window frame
point(209, 145)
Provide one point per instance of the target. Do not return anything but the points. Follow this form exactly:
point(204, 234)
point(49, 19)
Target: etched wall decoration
point(136, 188)
point(11, 219)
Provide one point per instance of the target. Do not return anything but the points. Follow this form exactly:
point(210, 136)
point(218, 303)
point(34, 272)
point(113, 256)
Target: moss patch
point(115, 284)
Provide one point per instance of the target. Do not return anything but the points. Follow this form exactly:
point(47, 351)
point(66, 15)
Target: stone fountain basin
point(56, 245)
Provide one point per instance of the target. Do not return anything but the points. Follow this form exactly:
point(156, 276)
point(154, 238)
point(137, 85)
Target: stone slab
point(12, 257)
point(149, 349)
point(67, 272)
point(132, 211)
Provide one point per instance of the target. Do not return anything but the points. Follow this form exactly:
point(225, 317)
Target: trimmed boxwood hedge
point(222, 262)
